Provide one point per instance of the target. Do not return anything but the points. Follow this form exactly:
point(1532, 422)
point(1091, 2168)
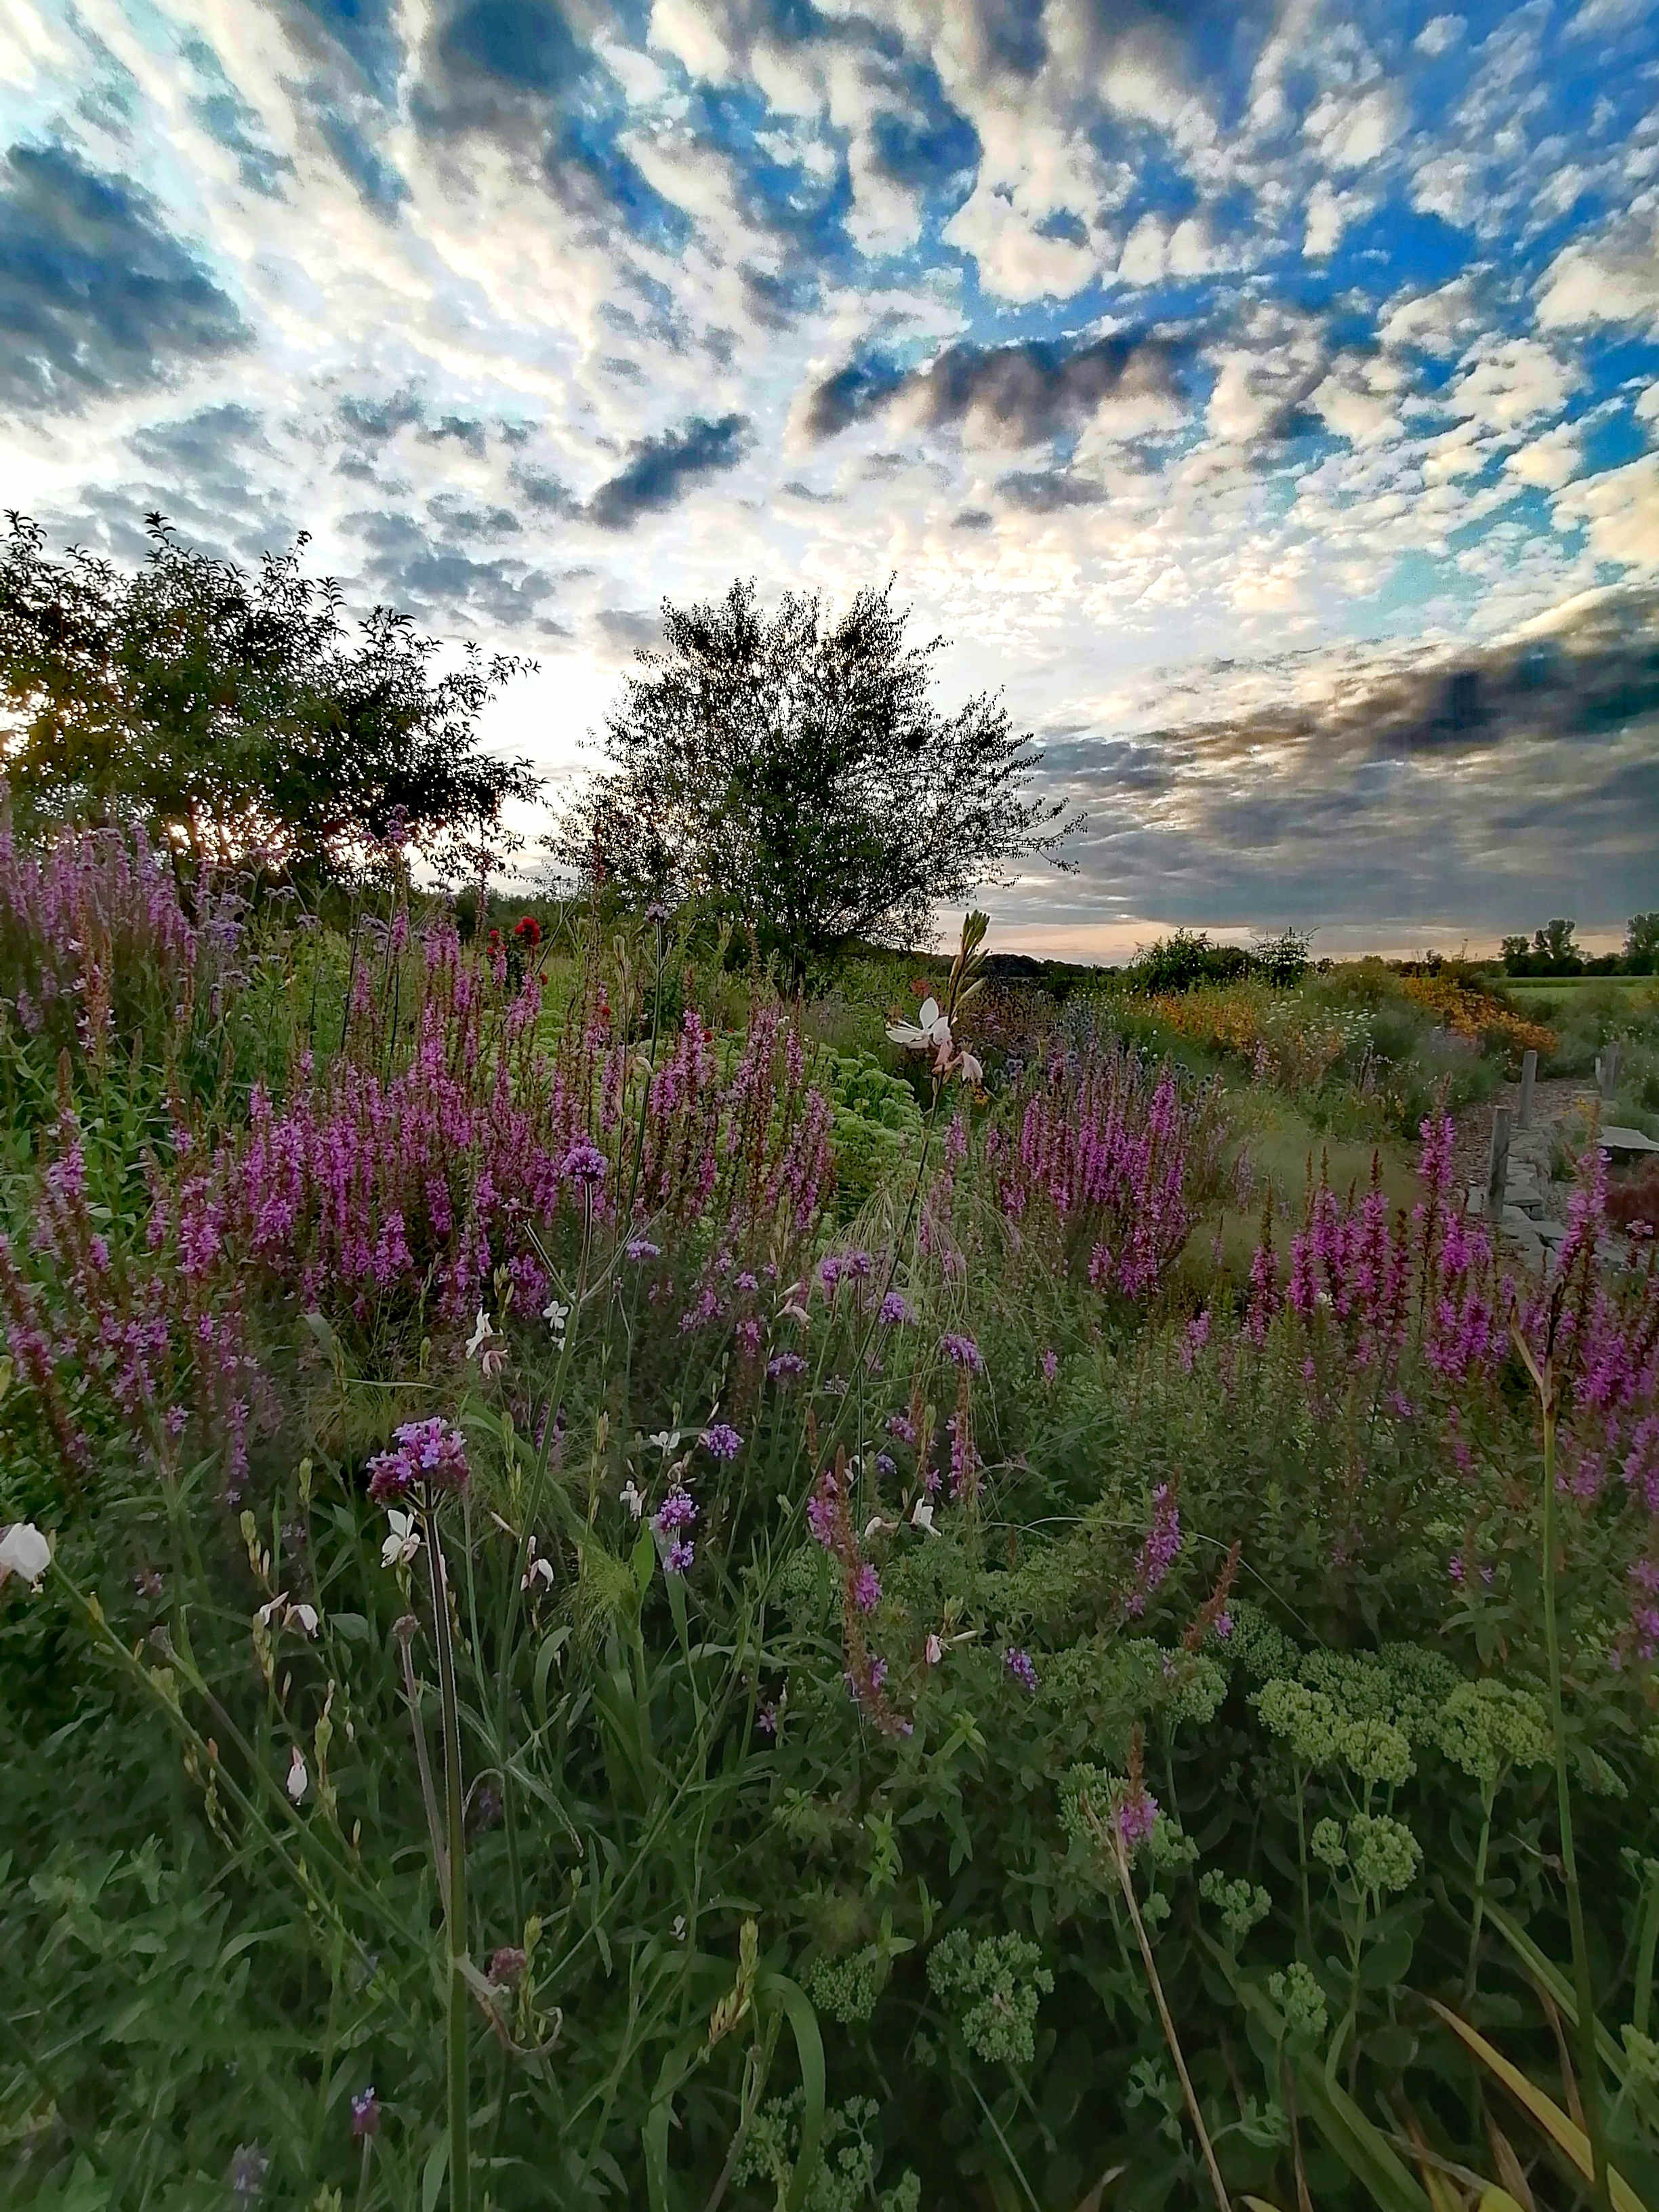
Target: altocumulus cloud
point(659, 469)
point(96, 295)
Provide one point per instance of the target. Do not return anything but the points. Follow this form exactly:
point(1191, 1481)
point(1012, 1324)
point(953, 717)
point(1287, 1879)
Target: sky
point(1262, 394)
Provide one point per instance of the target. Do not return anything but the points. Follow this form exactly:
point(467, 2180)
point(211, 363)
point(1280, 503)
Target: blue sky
point(1264, 396)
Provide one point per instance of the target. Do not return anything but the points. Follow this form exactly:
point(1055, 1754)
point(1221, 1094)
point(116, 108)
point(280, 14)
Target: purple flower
point(829, 1271)
point(902, 1426)
point(885, 1463)
point(1050, 1365)
point(677, 1510)
point(641, 1248)
point(1018, 1664)
point(722, 1440)
point(365, 2114)
point(766, 1720)
point(964, 1351)
point(1136, 1817)
point(866, 1589)
point(785, 1363)
point(586, 1163)
point(895, 1309)
point(681, 1554)
point(1224, 1625)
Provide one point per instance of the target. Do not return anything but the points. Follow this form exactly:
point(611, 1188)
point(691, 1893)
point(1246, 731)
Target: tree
point(792, 769)
point(1555, 942)
point(1515, 952)
point(1642, 944)
point(231, 714)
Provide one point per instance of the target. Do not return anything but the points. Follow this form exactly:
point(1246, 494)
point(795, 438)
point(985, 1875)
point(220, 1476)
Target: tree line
point(1554, 950)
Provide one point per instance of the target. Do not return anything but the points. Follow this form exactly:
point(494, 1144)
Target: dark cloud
point(1048, 491)
point(506, 67)
point(545, 491)
point(96, 295)
point(660, 469)
point(416, 563)
point(378, 419)
point(974, 517)
point(631, 628)
point(379, 183)
point(365, 32)
point(1490, 786)
point(1035, 390)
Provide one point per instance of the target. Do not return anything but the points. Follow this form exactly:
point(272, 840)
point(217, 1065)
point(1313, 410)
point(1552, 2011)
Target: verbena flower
point(585, 1165)
point(963, 1351)
point(365, 2114)
point(785, 1363)
point(1018, 1664)
point(896, 1309)
point(722, 1440)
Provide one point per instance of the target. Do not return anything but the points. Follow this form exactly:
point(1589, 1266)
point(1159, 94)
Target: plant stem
point(1589, 2064)
point(460, 2163)
point(1487, 1797)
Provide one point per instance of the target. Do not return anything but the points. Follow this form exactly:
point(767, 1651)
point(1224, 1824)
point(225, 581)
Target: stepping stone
point(1553, 1232)
point(1613, 1138)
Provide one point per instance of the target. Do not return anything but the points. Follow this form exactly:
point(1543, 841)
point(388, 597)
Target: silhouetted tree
point(1642, 944)
point(230, 713)
point(792, 770)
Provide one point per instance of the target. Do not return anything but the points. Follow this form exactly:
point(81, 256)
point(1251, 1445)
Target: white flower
point(969, 1069)
point(303, 1617)
point(632, 1499)
point(483, 1329)
point(679, 1927)
point(664, 1440)
point(404, 1541)
point(930, 1030)
point(536, 1570)
point(876, 1525)
point(921, 1514)
point(555, 1314)
point(267, 1612)
point(933, 1651)
point(25, 1553)
point(297, 1780)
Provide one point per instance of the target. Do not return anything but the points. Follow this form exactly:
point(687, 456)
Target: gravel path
point(1551, 1098)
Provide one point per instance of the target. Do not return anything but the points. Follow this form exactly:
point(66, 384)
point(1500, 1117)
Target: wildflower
point(664, 1440)
point(886, 1464)
point(365, 2114)
point(1224, 1625)
point(507, 1966)
point(528, 930)
point(922, 1516)
point(785, 1363)
point(964, 1351)
point(303, 1617)
point(483, 1329)
point(766, 1720)
point(536, 1571)
point(632, 1499)
point(894, 1309)
point(641, 1248)
point(1050, 1365)
point(677, 1510)
point(488, 1807)
point(681, 1554)
point(555, 1313)
point(297, 1780)
point(902, 1426)
point(1136, 1818)
point(930, 1031)
point(968, 1068)
point(1018, 1664)
point(403, 1539)
point(934, 1650)
point(586, 1163)
point(866, 1589)
point(722, 1440)
point(25, 1553)
point(248, 2169)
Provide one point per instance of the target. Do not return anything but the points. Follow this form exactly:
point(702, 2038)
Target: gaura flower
point(25, 1553)
point(303, 1617)
point(970, 1070)
point(297, 1780)
point(402, 1541)
point(930, 1031)
point(555, 1314)
point(632, 1499)
point(483, 1329)
point(922, 1516)
point(934, 1650)
point(536, 1570)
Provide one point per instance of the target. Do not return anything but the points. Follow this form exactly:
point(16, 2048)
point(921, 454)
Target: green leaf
point(431, 2180)
point(809, 2050)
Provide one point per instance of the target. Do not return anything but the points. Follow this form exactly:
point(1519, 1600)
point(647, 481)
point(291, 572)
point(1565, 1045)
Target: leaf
point(1494, 2199)
point(809, 2049)
point(643, 1559)
point(1570, 2140)
point(431, 2180)
point(1550, 1977)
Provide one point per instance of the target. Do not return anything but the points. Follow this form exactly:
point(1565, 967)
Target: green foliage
point(232, 715)
point(992, 1990)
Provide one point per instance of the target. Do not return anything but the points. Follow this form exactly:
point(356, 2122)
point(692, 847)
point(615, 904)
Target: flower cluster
point(430, 1453)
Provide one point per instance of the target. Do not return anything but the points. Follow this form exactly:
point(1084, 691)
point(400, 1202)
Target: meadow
point(628, 1587)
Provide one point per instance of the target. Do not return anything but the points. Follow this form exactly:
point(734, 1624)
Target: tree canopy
point(793, 769)
point(231, 713)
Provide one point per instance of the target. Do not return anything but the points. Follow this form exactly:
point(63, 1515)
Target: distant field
point(1548, 986)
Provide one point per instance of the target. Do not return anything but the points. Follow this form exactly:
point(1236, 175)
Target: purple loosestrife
point(1158, 1551)
point(1136, 1816)
point(1018, 1664)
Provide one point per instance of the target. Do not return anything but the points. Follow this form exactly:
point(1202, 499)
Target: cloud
point(660, 469)
point(1048, 491)
point(97, 296)
point(1612, 279)
point(1017, 395)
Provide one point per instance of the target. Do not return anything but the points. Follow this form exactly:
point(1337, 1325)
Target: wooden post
point(1607, 1072)
point(1529, 1077)
point(1498, 1165)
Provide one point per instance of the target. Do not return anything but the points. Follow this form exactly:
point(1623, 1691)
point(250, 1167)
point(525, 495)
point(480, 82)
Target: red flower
point(528, 930)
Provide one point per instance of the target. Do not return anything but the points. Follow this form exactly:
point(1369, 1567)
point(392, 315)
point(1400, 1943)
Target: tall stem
point(1589, 2064)
point(460, 2162)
